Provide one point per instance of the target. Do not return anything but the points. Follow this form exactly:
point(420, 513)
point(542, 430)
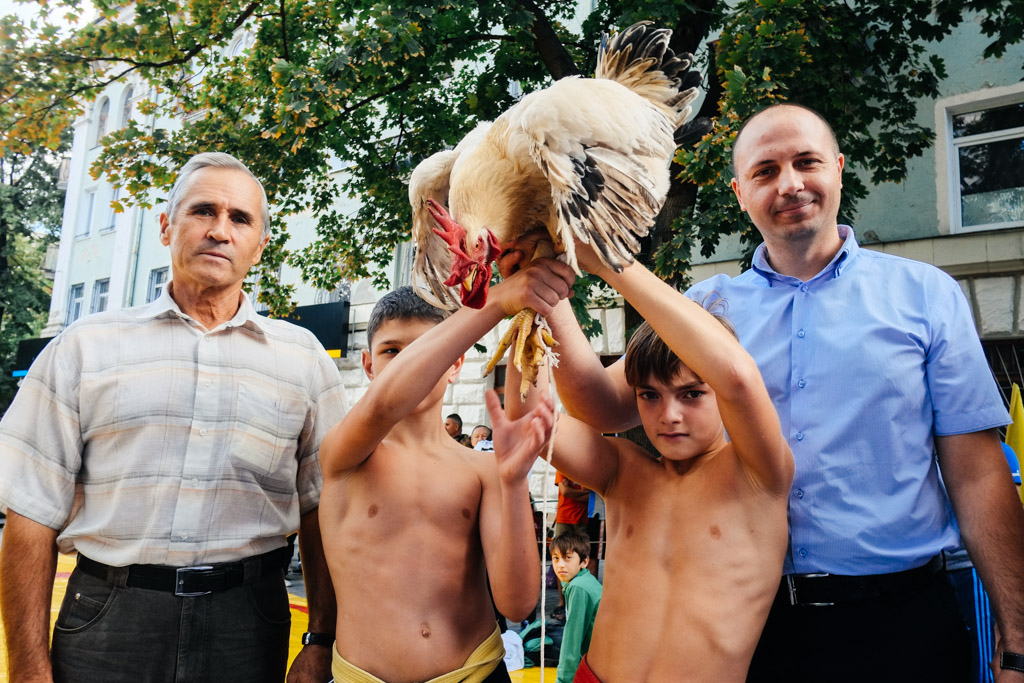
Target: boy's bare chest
point(394, 487)
point(652, 512)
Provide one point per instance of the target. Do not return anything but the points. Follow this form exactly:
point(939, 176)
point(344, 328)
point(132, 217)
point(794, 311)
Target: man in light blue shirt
point(877, 373)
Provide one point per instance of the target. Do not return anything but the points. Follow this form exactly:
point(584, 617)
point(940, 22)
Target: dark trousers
point(499, 675)
point(976, 612)
point(915, 636)
point(117, 634)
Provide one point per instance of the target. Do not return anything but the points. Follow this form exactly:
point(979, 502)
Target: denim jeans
point(117, 634)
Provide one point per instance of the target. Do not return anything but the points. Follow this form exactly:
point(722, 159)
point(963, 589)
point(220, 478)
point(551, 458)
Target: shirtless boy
point(415, 524)
point(695, 538)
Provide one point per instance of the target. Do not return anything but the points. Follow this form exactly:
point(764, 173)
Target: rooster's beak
point(467, 282)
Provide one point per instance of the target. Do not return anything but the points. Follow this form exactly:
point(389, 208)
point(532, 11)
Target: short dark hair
point(572, 542)
point(401, 304)
point(647, 356)
point(458, 420)
point(736, 141)
point(482, 427)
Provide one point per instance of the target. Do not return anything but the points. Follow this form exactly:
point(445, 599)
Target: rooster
point(585, 158)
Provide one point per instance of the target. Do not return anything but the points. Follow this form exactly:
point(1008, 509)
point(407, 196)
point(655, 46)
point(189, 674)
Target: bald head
point(788, 177)
point(783, 110)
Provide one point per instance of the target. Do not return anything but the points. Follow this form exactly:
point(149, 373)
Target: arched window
point(126, 109)
point(101, 120)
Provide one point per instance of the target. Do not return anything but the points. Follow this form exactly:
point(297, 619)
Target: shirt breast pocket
point(267, 431)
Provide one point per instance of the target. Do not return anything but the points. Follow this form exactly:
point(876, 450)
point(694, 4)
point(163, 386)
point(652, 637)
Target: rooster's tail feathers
point(640, 59)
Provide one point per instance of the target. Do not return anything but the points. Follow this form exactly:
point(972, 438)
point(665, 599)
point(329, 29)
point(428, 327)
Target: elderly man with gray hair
point(174, 447)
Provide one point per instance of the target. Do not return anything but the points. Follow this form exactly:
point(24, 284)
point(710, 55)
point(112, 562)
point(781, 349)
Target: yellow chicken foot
point(520, 323)
point(533, 346)
point(538, 349)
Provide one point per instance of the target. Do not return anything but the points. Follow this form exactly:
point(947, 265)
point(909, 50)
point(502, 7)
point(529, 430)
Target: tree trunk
point(550, 48)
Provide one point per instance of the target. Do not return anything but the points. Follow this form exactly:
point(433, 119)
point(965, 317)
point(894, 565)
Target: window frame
point(155, 289)
point(99, 296)
point(84, 228)
point(126, 106)
point(102, 121)
point(947, 147)
point(111, 222)
point(75, 303)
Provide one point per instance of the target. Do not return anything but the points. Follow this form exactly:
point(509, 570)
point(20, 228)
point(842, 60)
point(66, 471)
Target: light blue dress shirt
point(865, 363)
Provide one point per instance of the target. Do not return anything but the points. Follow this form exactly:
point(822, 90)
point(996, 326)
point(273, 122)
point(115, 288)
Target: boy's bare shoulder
point(630, 454)
point(633, 461)
point(420, 458)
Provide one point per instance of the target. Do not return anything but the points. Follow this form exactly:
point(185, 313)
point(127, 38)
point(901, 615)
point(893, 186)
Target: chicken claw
point(534, 344)
point(503, 345)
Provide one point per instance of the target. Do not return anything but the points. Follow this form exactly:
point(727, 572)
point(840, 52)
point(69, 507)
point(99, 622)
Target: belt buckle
point(794, 600)
point(179, 580)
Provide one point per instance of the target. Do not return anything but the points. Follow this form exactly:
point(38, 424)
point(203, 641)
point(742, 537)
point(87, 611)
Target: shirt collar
point(164, 306)
point(847, 252)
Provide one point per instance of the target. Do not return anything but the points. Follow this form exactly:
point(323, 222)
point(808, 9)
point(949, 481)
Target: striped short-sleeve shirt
point(144, 438)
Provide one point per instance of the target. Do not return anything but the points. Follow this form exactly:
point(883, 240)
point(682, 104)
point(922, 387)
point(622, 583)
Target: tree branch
point(284, 33)
point(398, 139)
point(480, 36)
point(170, 31)
point(134, 65)
point(182, 59)
point(376, 96)
point(550, 48)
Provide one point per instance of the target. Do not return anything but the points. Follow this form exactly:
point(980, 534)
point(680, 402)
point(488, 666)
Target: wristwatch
point(310, 638)
point(1011, 660)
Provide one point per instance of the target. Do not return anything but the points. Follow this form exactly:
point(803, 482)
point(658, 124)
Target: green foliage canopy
point(31, 207)
point(341, 98)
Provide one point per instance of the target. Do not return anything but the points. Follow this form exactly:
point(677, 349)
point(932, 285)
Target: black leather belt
point(190, 581)
point(823, 590)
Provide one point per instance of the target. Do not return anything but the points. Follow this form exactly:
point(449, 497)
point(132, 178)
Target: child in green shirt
point(570, 554)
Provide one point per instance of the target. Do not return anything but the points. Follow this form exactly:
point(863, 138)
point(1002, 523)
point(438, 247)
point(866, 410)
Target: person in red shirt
point(572, 505)
point(571, 515)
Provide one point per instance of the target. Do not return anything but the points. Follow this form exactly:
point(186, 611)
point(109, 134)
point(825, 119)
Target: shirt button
point(209, 382)
point(803, 288)
point(184, 535)
point(202, 432)
point(801, 334)
point(195, 481)
point(206, 338)
point(801, 384)
point(799, 493)
point(802, 552)
point(799, 436)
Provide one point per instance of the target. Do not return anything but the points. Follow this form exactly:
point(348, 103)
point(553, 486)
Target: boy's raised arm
point(580, 451)
point(712, 353)
point(409, 378)
point(506, 519)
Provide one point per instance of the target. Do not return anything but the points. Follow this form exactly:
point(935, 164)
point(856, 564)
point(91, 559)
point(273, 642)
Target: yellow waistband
point(484, 659)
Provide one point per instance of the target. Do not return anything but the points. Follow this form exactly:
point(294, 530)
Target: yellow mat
point(300, 619)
